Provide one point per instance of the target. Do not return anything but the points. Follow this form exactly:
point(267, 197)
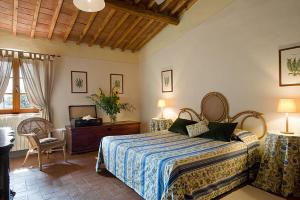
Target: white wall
point(234, 52)
point(98, 77)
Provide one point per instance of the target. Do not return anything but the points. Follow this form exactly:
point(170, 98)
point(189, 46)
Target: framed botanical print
point(289, 66)
point(167, 81)
point(79, 82)
point(116, 81)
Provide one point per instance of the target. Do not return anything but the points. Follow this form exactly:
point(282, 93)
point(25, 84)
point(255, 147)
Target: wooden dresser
point(86, 139)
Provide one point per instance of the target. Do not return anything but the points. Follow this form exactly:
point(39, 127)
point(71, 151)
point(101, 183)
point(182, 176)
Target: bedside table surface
point(296, 134)
point(160, 119)
point(279, 170)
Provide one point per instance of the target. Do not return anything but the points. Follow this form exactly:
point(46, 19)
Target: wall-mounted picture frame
point(289, 66)
point(116, 81)
point(167, 81)
point(79, 82)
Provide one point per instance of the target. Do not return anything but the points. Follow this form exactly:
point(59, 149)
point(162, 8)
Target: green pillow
point(220, 131)
point(179, 126)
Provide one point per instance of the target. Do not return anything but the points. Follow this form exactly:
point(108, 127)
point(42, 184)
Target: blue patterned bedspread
point(166, 165)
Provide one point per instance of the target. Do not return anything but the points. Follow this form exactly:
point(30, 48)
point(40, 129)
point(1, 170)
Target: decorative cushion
point(197, 129)
point(220, 131)
point(48, 140)
point(179, 126)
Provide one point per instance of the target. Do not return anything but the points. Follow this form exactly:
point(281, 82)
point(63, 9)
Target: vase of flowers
point(110, 104)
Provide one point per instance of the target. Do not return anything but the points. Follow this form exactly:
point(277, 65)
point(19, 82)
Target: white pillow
point(197, 129)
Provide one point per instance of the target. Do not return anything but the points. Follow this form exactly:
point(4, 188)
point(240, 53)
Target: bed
point(166, 165)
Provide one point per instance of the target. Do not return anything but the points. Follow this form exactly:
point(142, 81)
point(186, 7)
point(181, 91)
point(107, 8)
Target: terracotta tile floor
point(74, 180)
point(77, 180)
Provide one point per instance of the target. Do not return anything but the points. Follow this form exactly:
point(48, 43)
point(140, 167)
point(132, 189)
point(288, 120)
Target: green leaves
point(293, 66)
point(111, 104)
point(79, 82)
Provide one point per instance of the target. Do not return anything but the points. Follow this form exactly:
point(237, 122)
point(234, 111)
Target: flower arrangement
point(111, 104)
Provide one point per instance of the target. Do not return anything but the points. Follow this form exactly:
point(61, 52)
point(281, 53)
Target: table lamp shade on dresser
point(161, 104)
point(287, 106)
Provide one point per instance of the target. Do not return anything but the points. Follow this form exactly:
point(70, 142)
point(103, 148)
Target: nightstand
point(159, 124)
point(279, 170)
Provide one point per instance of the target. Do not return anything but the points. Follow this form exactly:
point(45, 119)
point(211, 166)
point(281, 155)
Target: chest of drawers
point(86, 139)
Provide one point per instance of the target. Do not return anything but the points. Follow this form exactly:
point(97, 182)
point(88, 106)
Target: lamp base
point(284, 132)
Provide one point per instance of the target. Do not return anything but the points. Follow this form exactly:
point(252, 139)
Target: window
point(15, 99)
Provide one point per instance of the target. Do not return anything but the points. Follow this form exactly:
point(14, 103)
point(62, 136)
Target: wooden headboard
point(215, 108)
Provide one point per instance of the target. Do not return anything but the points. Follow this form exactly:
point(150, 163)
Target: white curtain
point(38, 76)
point(5, 71)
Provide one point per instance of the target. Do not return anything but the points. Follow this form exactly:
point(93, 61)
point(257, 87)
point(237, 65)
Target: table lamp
point(287, 106)
point(161, 104)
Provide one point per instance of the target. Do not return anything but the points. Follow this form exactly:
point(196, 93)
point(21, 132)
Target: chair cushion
point(48, 140)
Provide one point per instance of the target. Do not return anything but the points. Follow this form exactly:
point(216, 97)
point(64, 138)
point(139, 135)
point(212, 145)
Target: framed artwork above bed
point(167, 81)
point(289, 66)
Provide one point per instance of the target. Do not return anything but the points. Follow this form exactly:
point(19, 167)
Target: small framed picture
point(167, 80)
point(289, 66)
point(116, 82)
point(79, 82)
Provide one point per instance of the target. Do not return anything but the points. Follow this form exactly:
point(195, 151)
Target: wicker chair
point(42, 137)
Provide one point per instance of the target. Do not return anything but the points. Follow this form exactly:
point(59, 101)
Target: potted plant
point(111, 104)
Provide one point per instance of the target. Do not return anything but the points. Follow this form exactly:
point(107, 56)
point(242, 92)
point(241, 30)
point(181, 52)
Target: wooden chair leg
point(64, 151)
point(40, 159)
point(26, 157)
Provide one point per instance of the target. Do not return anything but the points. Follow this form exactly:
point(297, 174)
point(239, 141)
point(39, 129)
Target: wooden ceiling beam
point(72, 23)
point(87, 27)
point(188, 6)
point(133, 25)
point(126, 33)
point(15, 17)
point(178, 6)
point(151, 4)
point(139, 33)
point(116, 27)
point(135, 10)
point(154, 32)
point(54, 18)
point(106, 20)
point(164, 5)
point(35, 17)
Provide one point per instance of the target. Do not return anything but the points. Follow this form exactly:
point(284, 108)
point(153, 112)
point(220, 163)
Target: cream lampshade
point(89, 5)
point(161, 104)
point(287, 106)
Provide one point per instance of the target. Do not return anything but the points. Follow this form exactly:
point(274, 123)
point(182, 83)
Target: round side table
point(279, 170)
point(158, 124)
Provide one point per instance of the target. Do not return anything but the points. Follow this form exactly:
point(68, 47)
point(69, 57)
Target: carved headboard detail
point(215, 108)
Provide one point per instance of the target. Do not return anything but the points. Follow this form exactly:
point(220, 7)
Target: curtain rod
point(18, 51)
